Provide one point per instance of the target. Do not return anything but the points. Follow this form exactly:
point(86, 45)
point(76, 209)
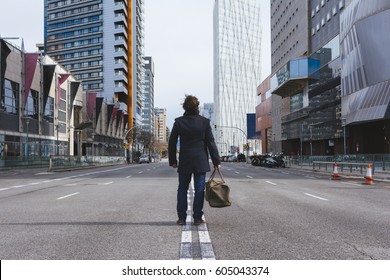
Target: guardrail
point(352, 167)
point(69, 162)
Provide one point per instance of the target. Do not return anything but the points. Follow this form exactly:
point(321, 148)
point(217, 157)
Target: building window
point(10, 101)
point(49, 110)
point(31, 108)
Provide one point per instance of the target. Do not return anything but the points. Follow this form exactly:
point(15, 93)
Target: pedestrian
point(196, 142)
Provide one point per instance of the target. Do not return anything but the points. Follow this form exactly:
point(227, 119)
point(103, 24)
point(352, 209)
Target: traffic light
point(215, 126)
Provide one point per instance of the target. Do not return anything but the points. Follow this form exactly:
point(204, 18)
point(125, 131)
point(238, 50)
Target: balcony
point(294, 76)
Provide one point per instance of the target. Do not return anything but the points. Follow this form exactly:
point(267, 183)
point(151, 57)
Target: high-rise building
point(365, 76)
point(148, 104)
point(101, 44)
point(160, 127)
point(237, 46)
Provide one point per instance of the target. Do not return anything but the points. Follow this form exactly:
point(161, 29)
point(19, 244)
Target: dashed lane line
point(66, 196)
point(272, 183)
point(318, 197)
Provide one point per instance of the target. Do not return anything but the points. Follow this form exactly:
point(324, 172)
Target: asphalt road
point(128, 212)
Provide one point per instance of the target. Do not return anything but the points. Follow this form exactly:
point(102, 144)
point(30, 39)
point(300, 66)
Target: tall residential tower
point(101, 44)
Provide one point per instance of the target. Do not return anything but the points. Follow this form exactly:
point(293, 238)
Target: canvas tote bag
point(217, 191)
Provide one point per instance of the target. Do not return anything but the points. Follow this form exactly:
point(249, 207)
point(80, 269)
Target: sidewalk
point(378, 175)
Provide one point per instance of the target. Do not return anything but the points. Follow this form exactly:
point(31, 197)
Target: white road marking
point(186, 236)
point(109, 183)
point(250, 177)
point(353, 184)
point(186, 245)
point(128, 177)
point(66, 196)
point(16, 187)
point(236, 172)
point(204, 237)
point(269, 182)
point(65, 178)
point(321, 198)
point(140, 172)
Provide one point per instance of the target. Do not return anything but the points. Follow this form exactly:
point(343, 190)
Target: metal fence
point(60, 162)
point(377, 161)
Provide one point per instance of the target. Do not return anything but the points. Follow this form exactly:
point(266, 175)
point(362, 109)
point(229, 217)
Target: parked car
point(144, 159)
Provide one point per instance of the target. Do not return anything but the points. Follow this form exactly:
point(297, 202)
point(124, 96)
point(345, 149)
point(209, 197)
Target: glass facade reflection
point(237, 42)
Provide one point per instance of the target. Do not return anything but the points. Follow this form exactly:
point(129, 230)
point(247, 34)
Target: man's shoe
point(198, 222)
point(181, 222)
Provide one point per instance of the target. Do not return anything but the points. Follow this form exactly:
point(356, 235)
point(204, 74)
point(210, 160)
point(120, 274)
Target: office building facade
point(365, 76)
point(237, 46)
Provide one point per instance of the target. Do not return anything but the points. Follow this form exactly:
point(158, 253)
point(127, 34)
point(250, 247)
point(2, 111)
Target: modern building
point(40, 106)
point(101, 44)
point(148, 104)
point(45, 112)
point(333, 90)
point(237, 46)
point(365, 76)
point(160, 127)
point(264, 117)
point(289, 41)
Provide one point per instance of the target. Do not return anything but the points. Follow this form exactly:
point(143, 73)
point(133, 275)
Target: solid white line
point(66, 196)
point(269, 182)
point(346, 183)
point(204, 237)
point(4, 189)
point(316, 196)
point(186, 236)
point(109, 183)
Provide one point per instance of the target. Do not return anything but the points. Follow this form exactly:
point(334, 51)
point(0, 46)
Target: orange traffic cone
point(335, 175)
point(368, 177)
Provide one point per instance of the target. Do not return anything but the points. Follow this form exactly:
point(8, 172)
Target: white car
point(144, 159)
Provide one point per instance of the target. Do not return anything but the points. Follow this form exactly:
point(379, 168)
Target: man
point(196, 141)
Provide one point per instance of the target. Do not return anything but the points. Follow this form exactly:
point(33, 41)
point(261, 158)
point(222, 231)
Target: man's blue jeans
point(199, 185)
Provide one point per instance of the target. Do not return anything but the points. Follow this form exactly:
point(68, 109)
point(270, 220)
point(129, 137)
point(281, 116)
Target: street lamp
point(246, 137)
point(344, 124)
point(27, 120)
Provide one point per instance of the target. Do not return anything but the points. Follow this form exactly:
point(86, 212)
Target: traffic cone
point(335, 175)
point(368, 177)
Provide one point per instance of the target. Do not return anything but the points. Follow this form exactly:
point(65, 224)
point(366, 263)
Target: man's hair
point(191, 104)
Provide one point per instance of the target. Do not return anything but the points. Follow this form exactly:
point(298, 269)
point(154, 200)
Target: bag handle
point(213, 174)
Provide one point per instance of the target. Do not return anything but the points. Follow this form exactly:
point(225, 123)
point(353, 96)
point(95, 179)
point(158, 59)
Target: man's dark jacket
point(196, 141)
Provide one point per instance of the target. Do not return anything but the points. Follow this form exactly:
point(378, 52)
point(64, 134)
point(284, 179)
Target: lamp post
point(27, 120)
point(343, 124)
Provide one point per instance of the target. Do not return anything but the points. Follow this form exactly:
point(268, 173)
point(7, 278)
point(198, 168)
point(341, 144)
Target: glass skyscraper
point(237, 41)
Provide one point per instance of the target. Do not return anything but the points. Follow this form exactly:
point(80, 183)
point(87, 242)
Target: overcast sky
point(178, 36)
